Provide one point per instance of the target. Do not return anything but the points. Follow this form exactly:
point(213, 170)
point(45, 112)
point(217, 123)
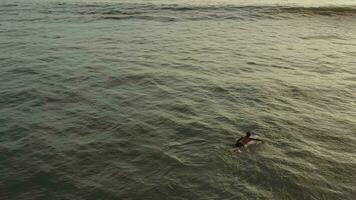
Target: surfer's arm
point(256, 139)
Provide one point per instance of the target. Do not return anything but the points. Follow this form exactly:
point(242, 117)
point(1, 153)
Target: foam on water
point(114, 100)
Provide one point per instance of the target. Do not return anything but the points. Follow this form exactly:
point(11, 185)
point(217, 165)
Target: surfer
point(245, 140)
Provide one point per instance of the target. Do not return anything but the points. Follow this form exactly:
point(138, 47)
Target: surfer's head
point(248, 134)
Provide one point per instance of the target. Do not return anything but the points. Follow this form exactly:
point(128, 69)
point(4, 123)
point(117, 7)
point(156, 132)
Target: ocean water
point(143, 99)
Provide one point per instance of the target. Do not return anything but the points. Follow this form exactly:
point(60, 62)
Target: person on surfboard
point(245, 140)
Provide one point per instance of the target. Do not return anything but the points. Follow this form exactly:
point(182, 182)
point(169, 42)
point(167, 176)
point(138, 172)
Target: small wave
point(325, 37)
point(136, 7)
point(162, 12)
point(321, 10)
point(9, 5)
point(271, 9)
point(150, 18)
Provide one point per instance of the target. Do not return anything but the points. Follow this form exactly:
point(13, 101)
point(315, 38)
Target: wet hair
point(248, 133)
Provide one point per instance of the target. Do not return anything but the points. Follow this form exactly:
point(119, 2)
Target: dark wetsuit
point(239, 144)
point(242, 141)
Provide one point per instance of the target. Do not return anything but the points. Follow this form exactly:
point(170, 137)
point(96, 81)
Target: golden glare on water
point(243, 2)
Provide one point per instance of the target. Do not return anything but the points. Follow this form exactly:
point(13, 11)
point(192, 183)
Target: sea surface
point(143, 100)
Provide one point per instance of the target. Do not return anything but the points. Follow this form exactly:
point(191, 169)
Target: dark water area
point(110, 100)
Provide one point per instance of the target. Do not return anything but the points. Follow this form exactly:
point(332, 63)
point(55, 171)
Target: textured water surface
point(142, 100)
